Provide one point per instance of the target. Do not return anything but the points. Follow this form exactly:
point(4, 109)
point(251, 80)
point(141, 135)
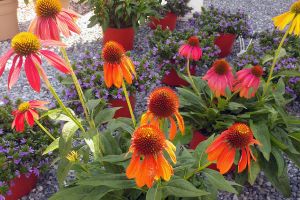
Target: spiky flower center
point(148, 140)
point(24, 107)
point(221, 66)
point(296, 7)
point(25, 43)
point(257, 71)
point(163, 102)
point(47, 8)
point(193, 41)
point(239, 135)
point(73, 156)
point(112, 52)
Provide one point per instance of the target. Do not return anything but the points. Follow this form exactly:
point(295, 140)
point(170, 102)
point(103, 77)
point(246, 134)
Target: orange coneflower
point(116, 65)
point(292, 16)
point(220, 77)
point(26, 111)
point(26, 49)
point(52, 19)
point(191, 49)
point(163, 103)
point(248, 81)
point(148, 162)
point(239, 136)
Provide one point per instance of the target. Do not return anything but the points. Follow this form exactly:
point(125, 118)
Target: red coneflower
point(248, 81)
point(220, 77)
point(237, 137)
point(27, 111)
point(116, 65)
point(148, 162)
point(191, 49)
point(27, 49)
point(163, 103)
point(52, 19)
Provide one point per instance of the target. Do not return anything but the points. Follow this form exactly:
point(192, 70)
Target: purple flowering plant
point(214, 20)
point(20, 153)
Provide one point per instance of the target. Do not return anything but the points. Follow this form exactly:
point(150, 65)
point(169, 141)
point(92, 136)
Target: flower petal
point(226, 160)
point(29, 118)
point(243, 161)
point(117, 76)
point(56, 61)
point(173, 128)
point(32, 74)
point(3, 60)
point(14, 71)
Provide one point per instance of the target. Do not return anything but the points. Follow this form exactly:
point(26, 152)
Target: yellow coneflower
point(292, 16)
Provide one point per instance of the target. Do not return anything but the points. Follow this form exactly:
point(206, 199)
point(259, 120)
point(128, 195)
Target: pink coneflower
point(220, 77)
point(27, 111)
point(191, 49)
point(52, 19)
point(26, 49)
point(248, 81)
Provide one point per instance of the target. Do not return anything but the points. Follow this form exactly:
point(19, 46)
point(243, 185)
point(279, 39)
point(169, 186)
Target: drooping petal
point(173, 128)
point(3, 60)
point(216, 153)
point(33, 25)
point(54, 32)
point(19, 123)
point(170, 148)
point(243, 161)
point(47, 43)
point(226, 160)
point(56, 61)
point(180, 122)
point(165, 170)
point(126, 74)
point(32, 74)
point(117, 76)
point(133, 166)
point(14, 71)
point(29, 118)
point(34, 114)
point(108, 74)
point(63, 27)
point(38, 104)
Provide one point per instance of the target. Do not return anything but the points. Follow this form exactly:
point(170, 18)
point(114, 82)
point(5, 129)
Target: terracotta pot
point(8, 18)
point(64, 3)
point(225, 42)
point(21, 186)
point(198, 137)
point(124, 36)
point(124, 111)
point(172, 78)
point(169, 21)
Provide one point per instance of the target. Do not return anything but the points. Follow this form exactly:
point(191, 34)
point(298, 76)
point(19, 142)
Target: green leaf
point(93, 103)
point(105, 115)
point(52, 146)
point(154, 193)
point(63, 169)
point(114, 158)
point(81, 192)
point(287, 73)
point(261, 133)
point(179, 187)
point(279, 160)
point(200, 154)
point(253, 173)
point(267, 58)
point(58, 115)
point(218, 181)
point(116, 181)
point(235, 106)
point(69, 129)
point(295, 136)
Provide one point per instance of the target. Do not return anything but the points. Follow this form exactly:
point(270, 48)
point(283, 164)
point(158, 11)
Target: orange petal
point(129, 64)
point(248, 158)
point(145, 118)
point(133, 166)
point(214, 155)
point(180, 122)
point(117, 76)
point(243, 161)
point(126, 74)
point(173, 129)
point(145, 175)
point(108, 69)
point(218, 141)
point(226, 159)
point(170, 148)
point(165, 170)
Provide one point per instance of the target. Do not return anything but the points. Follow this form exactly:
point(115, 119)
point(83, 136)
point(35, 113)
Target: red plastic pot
point(198, 137)
point(173, 79)
point(21, 186)
point(124, 110)
point(124, 36)
point(169, 21)
point(225, 42)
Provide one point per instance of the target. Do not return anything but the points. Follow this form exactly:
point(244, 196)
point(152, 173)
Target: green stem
point(61, 104)
point(198, 170)
point(274, 62)
point(190, 76)
point(78, 88)
point(44, 129)
point(129, 104)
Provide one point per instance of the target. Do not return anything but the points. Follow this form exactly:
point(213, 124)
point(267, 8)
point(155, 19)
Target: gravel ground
point(260, 11)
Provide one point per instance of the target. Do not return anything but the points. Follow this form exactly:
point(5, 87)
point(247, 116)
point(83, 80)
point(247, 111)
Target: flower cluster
point(213, 20)
point(20, 153)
